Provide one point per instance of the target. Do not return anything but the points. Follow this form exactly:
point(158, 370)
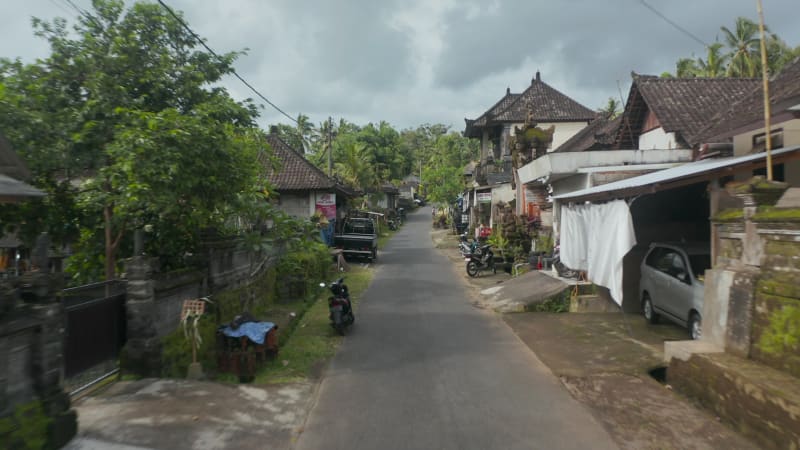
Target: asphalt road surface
point(423, 369)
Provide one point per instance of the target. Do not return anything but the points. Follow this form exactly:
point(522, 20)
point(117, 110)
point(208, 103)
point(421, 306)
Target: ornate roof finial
point(508, 91)
point(538, 76)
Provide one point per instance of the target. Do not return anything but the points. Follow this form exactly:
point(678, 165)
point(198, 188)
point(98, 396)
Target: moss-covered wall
point(747, 397)
point(27, 428)
point(776, 319)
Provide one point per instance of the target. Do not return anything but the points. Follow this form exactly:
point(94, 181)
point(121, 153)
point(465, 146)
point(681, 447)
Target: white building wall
point(657, 139)
point(296, 204)
point(571, 184)
point(743, 143)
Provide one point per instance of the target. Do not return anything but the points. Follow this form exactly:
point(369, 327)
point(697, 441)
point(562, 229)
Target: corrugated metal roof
point(661, 179)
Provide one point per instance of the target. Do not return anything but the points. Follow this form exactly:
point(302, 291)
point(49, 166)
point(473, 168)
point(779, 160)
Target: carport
point(669, 205)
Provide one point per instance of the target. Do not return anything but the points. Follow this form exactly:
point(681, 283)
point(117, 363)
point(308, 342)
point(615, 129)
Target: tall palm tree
point(307, 132)
point(744, 45)
point(714, 64)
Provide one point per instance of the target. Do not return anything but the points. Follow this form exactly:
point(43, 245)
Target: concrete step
point(591, 303)
point(760, 402)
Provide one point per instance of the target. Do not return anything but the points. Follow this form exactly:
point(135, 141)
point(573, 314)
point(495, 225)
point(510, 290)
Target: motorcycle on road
point(341, 310)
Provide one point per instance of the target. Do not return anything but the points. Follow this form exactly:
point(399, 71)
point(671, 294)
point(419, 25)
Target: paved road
point(422, 369)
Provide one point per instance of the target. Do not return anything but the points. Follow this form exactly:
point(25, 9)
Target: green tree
point(353, 163)
point(612, 108)
point(714, 66)
point(686, 68)
point(135, 121)
point(744, 44)
point(739, 55)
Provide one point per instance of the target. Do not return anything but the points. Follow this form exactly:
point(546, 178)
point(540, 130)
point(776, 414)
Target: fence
point(95, 331)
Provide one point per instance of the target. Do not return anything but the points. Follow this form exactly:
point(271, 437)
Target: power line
point(60, 6)
point(174, 15)
point(678, 27)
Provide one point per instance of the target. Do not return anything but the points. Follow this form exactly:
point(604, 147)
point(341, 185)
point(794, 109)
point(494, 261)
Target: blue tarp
point(255, 331)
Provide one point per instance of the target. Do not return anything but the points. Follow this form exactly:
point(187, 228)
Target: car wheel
point(696, 326)
point(647, 308)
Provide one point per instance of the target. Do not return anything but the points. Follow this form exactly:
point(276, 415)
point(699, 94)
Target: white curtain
point(595, 238)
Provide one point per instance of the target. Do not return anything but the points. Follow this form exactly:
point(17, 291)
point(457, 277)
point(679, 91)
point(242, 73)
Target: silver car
point(672, 283)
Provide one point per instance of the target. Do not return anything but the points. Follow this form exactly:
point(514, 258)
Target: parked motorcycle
point(341, 311)
point(562, 270)
point(465, 246)
point(482, 258)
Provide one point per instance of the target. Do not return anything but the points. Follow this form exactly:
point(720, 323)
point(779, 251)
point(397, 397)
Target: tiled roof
point(784, 92)
point(682, 105)
point(598, 135)
point(496, 109)
point(389, 188)
point(474, 125)
point(295, 173)
point(547, 105)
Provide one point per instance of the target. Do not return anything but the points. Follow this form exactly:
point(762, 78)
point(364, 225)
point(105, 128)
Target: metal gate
point(95, 331)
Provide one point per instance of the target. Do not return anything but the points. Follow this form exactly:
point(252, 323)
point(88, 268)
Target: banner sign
point(484, 197)
point(326, 204)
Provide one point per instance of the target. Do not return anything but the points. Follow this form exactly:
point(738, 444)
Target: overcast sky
point(432, 61)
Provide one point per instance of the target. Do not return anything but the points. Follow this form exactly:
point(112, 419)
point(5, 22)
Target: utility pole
point(765, 76)
point(330, 146)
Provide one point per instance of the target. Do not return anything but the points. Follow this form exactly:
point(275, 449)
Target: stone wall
point(31, 363)
point(776, 314)
point(744, 394)
point(752, 303)
point(155, 300)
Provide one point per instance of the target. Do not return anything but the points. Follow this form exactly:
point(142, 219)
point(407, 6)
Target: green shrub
point(26, 428)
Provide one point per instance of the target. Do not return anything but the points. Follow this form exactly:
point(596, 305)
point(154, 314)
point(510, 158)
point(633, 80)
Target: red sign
point(326, 204)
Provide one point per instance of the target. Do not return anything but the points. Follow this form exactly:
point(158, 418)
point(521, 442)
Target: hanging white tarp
point(595, 238)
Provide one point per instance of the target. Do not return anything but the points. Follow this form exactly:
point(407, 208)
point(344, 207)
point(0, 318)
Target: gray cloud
point(417, 61)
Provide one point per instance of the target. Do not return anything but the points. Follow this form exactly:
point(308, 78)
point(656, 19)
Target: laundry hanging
point(595, 238)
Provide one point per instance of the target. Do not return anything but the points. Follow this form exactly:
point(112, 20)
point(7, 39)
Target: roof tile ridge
point(305, 160)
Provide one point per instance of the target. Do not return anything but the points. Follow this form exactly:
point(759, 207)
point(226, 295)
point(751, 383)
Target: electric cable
point(186, 27)
point(678, 27)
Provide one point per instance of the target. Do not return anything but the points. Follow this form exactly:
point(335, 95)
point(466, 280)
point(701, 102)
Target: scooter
point(341, 310)
point(465, 246)
point(480, 259)
point(562, 270)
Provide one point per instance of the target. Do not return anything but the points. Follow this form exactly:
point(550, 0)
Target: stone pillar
point(484, 146)
point(142, 352)
point(505, 143)
point(46, 315)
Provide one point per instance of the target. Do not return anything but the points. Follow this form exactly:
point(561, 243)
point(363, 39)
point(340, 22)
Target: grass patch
point(386, 234)
point(313, 341)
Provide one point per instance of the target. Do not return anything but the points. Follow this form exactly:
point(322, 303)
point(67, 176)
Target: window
point(760, 140)
point(654, 256)
point(678, 268)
